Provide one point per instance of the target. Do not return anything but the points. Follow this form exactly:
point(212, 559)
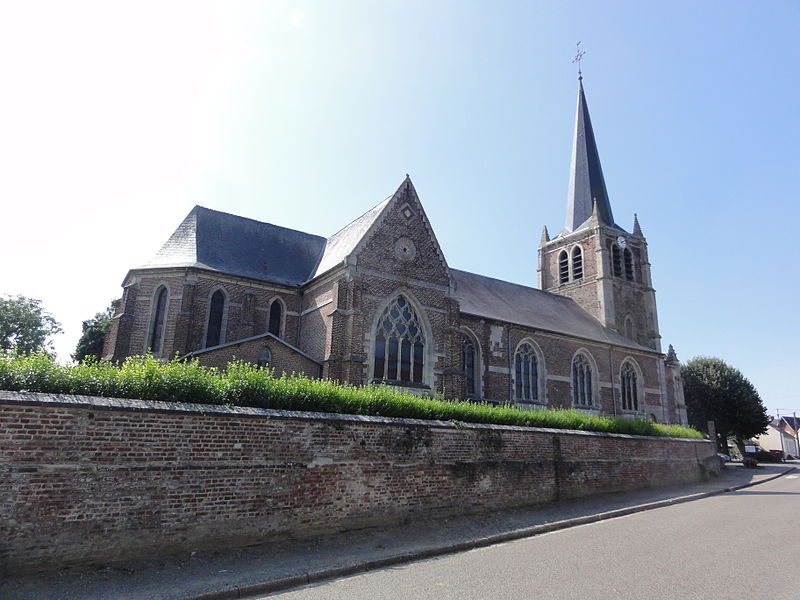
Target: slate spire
point(586, 183)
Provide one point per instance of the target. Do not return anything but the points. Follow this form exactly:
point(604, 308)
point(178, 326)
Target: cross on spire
point(578, 56)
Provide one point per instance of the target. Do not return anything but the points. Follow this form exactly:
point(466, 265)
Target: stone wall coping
point(25, 398)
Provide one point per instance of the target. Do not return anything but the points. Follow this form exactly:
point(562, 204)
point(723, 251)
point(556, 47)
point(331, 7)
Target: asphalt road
point(738, 545)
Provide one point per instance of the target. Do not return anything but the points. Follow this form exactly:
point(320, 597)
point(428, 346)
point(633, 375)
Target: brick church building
point(377, 302)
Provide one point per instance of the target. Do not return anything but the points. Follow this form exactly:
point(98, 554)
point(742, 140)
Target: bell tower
point(592, 260)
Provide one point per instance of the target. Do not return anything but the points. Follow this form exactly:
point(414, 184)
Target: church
point(377, 302)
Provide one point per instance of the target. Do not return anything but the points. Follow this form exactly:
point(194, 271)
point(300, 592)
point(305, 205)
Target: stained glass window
point(526, 374)
point(582, 382)
point(399, 344)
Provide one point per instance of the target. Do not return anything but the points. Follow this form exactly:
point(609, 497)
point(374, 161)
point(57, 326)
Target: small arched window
point(582, 381)
point(577, 263)
point(159, 318)
point(275, 318)
point(215, 312)
point(563, 267)
point(630, 391)
point(264, 358)
point(469, 356)
point(616, 260)
point(526, 374)
point(628, 256)
point(399, 344)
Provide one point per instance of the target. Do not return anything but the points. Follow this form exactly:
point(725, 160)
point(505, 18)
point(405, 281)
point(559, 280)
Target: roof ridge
point(521, 285)
point(241, 218)
point(364, 214)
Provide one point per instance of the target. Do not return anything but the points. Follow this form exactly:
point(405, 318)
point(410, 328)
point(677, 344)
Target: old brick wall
point(91, 479)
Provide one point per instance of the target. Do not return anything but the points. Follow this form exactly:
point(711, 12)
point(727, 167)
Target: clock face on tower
point(622, 242)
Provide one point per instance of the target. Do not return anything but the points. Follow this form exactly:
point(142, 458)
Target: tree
point(25, 325)
point(94, 334)
point(716, 391)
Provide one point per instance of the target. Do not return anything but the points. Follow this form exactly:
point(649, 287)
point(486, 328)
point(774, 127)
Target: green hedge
point(242, 384)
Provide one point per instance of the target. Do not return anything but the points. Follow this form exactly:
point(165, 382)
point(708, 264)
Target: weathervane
point(578, 56)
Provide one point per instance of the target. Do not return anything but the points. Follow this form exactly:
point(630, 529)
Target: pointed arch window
point(159, 319)
point(526, 374)
point(628, 256)
point(469, 355)
point(616, 260)
point(399, 345)
point(582, 394)
point(563, 267)
point(577, 263)
point(216, 310)
point(275, 318)
point(630, 391)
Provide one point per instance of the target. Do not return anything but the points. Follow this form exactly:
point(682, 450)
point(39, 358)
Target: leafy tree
point(94, 334)
point(716, 391)
point(25, 325)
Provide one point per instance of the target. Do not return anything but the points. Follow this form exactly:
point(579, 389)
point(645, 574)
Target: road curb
point(276, 585)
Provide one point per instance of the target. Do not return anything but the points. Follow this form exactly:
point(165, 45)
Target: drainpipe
point(299, 319)
point(613, 389)
point(508, 343)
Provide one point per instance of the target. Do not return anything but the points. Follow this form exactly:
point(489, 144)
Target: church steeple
point(586, 183)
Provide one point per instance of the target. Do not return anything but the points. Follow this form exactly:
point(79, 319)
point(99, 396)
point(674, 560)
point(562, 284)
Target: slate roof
point(219, 241)
point(586, 181)
point(531, 307)
point(343, 242)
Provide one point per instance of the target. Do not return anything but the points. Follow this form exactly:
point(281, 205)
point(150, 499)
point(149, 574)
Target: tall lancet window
point(563, 267)
point(582, 382)
point(399, 345)
point(628, 264)
point(526, 374)
point(630, 395)
point(215, 312)
point(159, 318)
point(616, 260)
point(470, 358)
point(577, 263)
point(275, 318)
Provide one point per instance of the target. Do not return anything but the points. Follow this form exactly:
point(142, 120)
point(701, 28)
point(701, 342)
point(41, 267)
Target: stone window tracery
point(630, 395)
point(399, 345)
point(582, 394)
point(526, 374)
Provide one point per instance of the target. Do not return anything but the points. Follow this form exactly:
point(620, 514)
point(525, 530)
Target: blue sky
point(117, 119)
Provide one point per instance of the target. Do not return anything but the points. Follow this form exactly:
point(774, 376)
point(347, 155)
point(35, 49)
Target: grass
point(242, 384)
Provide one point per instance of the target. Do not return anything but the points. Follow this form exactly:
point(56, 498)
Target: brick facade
point(331, 320)
point(91, 480)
